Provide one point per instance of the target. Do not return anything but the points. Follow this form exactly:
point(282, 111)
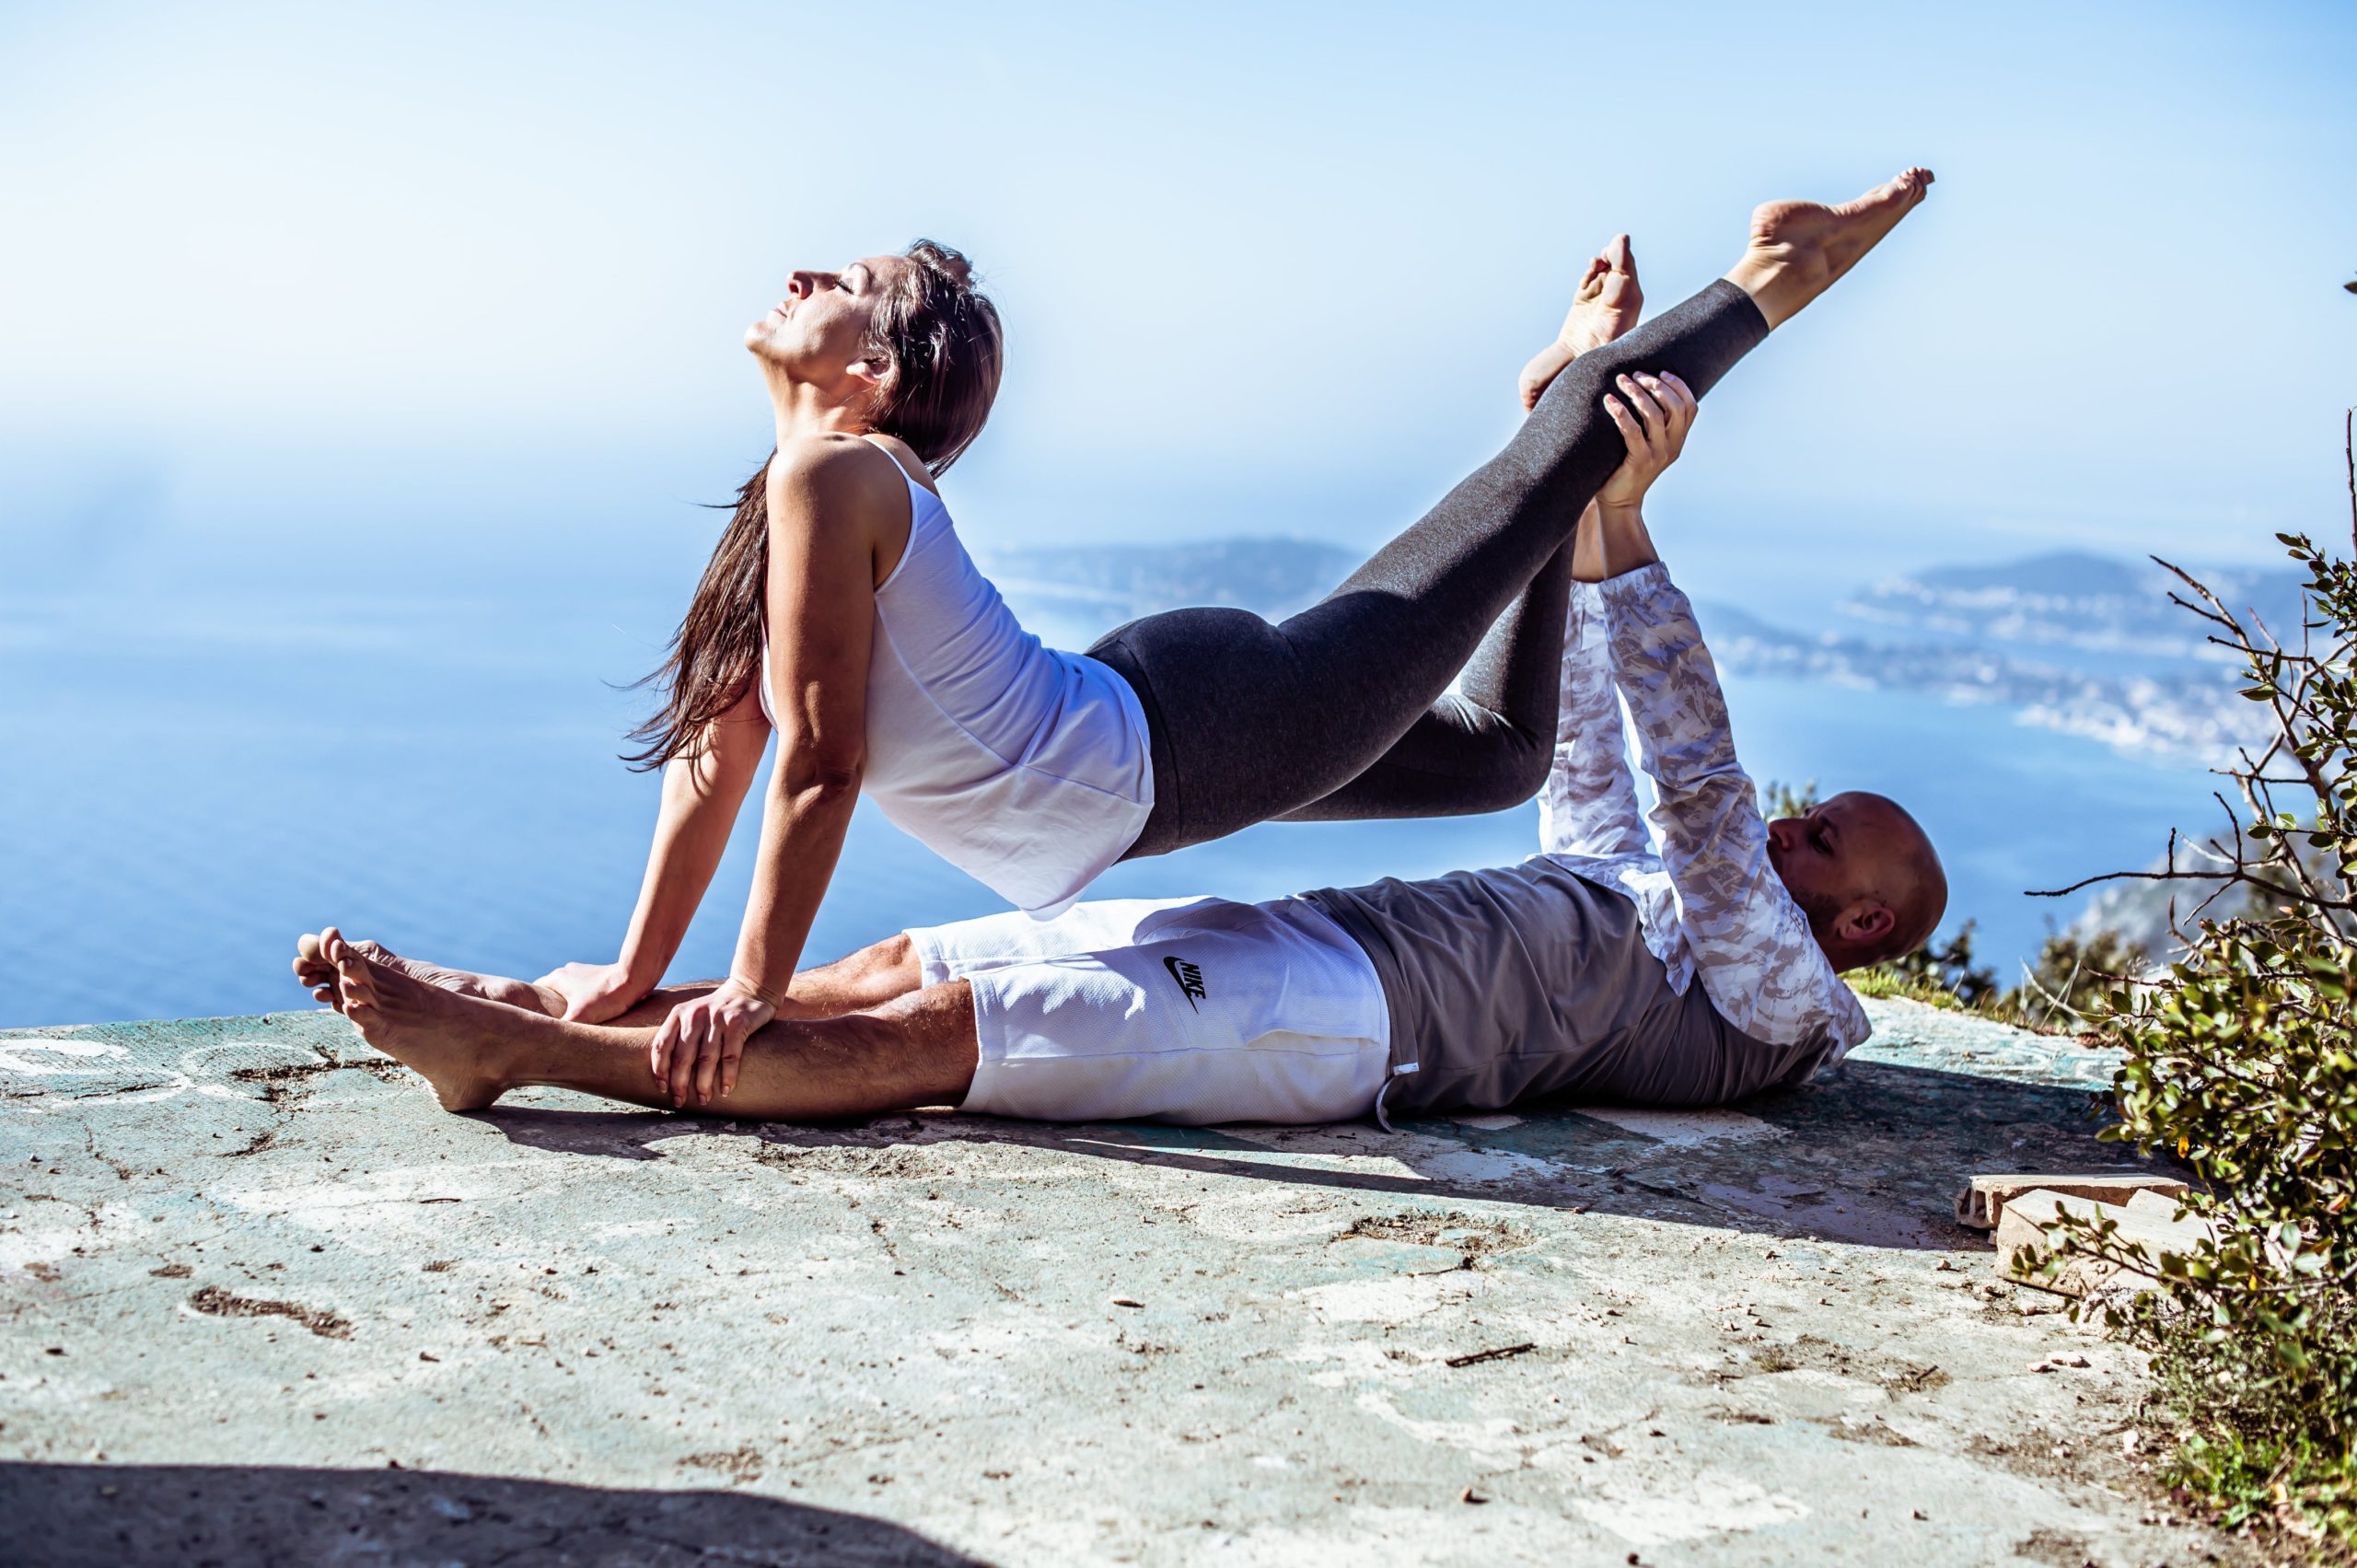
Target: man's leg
point(1252, 721)
point(918, 1049)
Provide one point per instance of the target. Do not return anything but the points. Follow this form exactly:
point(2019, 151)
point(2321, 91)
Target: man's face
point(1839, 860)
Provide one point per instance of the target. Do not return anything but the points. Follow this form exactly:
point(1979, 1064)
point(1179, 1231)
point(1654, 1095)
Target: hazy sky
point(311, 277)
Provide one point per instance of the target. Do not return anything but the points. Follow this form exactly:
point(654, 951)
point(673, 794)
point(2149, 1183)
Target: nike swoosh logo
point(1185, 990)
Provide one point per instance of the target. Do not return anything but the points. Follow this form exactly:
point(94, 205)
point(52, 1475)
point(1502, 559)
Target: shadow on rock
point(198, 1513)
point(1872, 1155)
point(606, 1135)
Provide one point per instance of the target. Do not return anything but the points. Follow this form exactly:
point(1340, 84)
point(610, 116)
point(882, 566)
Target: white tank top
point(1025, 767)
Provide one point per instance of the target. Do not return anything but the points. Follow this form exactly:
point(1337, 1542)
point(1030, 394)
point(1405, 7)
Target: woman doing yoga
point(840, 612)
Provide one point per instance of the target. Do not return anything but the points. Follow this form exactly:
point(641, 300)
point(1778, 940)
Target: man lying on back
point(1691, 973)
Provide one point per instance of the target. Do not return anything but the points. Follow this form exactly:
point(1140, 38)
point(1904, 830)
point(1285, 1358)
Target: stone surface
point(262, 1298)
point(2148, 1221)
point(2154, 1206)
point(1984, 1198)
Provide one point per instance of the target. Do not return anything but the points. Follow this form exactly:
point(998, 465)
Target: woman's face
point(820, 330)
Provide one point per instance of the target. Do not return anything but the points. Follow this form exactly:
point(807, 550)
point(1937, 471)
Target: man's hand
point(1656, 431)
point(700, 1044)
point(594, 993)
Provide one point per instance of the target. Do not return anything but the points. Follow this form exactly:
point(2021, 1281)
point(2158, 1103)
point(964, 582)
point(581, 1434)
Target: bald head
point(1911, 880)
point(1865, 873)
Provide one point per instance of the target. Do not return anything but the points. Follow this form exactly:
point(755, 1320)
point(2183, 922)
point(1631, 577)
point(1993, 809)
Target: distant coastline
point(2115, 661)
point(2182, 712)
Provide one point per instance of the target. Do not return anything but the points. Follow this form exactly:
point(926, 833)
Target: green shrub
point(2072, 976)
point(2241, 1061)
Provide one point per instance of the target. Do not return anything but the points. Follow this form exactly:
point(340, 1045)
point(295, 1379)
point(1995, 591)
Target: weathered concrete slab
point(248, 1269)
point(1982, 1202)
point(2148, 1223)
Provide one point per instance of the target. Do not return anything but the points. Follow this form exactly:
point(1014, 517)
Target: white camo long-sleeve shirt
point(1710, 902)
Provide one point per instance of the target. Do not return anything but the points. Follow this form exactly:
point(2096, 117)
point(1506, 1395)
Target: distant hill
point(2066, 599)
point(2176, 707)
point(2075, 600)
point(2081, 643)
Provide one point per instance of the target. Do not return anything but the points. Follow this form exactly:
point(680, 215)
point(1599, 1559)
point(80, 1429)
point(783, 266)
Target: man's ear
point(1866, 923)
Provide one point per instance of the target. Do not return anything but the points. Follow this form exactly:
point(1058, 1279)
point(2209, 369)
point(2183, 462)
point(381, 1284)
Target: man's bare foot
point(455, 1042)
point(1799, 248)
point(1606, 304)
point(313, 970)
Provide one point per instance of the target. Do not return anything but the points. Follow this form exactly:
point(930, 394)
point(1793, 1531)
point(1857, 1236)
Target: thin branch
point(2116, 877)
point(2308, 766)
point(2217, 611)
point(2235, 877)
point(2186, 604)
point(2215, 894)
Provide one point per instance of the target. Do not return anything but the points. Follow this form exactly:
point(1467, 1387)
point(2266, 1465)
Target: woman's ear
point(871, 371)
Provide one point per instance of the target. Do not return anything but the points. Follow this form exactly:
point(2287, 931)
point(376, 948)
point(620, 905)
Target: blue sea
point(196, 779)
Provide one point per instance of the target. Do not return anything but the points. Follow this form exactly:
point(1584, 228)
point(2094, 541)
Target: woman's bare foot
point(455, 1042)
point(1799, 248)
point(313, 970)
point(1606, 304)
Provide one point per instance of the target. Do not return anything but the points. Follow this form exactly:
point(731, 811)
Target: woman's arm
point(831, 502)
point(701, 798)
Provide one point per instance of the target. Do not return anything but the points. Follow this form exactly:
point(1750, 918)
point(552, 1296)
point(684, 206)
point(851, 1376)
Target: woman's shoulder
point(828, 471)
point(833, 456)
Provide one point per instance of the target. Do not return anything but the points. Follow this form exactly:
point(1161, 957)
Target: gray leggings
point(1342, 710)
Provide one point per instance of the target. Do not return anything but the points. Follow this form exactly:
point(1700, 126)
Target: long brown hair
point(940, 341)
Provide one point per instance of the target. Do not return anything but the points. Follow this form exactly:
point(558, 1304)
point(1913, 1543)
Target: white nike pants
point(1192, 1010)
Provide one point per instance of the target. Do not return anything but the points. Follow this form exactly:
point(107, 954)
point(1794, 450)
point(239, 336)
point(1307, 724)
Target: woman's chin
point(767, 340)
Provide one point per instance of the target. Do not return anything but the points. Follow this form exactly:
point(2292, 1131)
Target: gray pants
point(1528, 982)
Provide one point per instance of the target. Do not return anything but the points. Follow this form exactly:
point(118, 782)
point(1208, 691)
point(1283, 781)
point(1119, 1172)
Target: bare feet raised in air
point(313, 970)
point(1799, 249)
point(1606, 304)
point(453, 1041)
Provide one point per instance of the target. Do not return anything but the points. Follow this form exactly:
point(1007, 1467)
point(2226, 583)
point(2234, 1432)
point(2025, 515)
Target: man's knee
point(896, 954)
point(929, 1040)
point(889, 968)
